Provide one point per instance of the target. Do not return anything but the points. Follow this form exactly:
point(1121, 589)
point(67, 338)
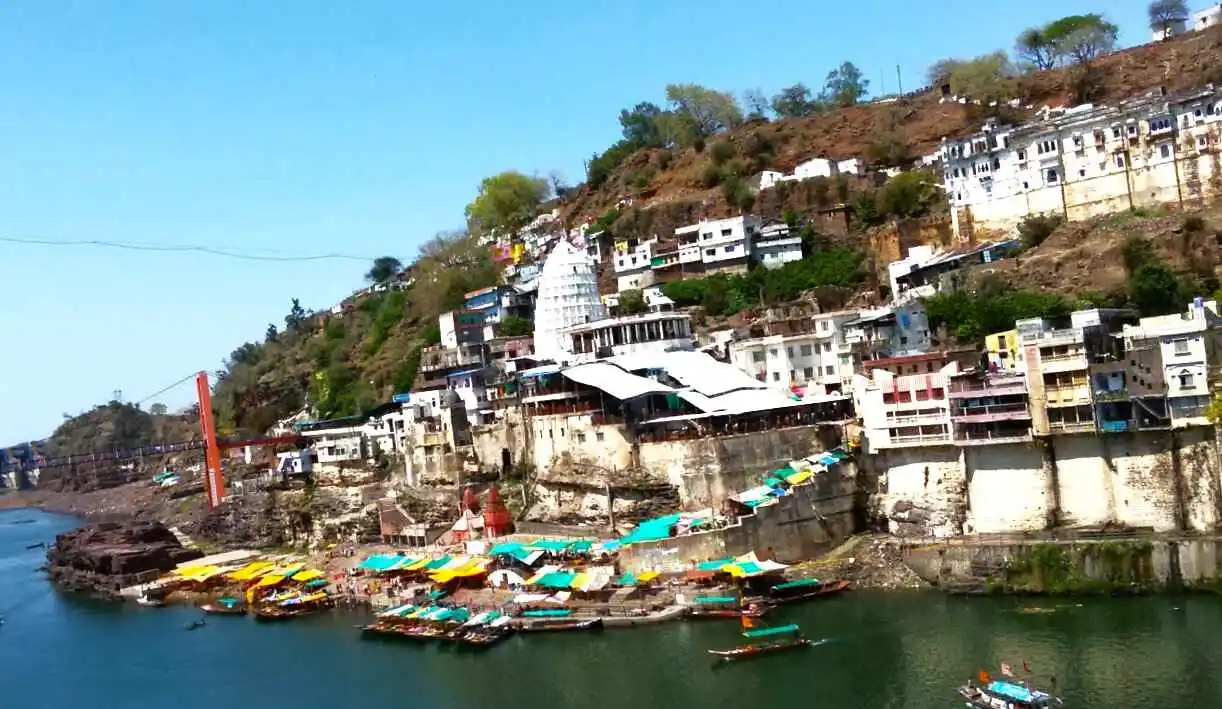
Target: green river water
point(882, 651)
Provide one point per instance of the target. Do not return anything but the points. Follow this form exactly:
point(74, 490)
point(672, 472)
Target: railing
point(1115, 426)
point(432, 439)
point(917, 419)
point(962, 412)
point(1111, 395)
point(921, 439)
point(963, 390)
point(1071, 426)
point(990, 437)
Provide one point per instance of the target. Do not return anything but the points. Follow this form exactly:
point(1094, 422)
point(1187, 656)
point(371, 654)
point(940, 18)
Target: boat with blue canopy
point(1007, 693)
point(804, 590)
point(725, 607)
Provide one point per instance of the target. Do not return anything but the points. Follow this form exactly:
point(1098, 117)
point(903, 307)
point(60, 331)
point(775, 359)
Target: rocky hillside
point(656, 177)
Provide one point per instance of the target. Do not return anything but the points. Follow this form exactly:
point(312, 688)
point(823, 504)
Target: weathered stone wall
point(1164, 480)
point(1070, 566)
point(812, 520)
point(708, 470)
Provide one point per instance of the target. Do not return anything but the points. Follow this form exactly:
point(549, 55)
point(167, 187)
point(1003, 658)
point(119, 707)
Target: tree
point(296, 317)
point(632, 302)
point(158, 409)
point(514, 326)
point(1082, 38)
point(845, 85)
point(1035, 228)
point(640, 125)
point(756, 103)
point(384, 268)
point(560, 186)
point(1166, 15)
point(985, 78)
point(908, 194)
point(271, 334)
point(1156, 290)
point(505, 202)
point(794, 102)
point(709, 111)
point(1036, 50)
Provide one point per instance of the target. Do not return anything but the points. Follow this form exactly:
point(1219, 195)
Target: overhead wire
point(182, 248)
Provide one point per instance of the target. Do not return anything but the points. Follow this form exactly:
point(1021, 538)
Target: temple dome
point(567, 296)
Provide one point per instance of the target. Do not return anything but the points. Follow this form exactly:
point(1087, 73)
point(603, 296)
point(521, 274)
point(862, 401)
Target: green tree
point(908, 194)
point(506, 202)
point(640, 125)
point(514, 326)
point(158, 409)
point(1082, 38)
point(296, 317)
point(600, 167)
point(1035, 228)
point(1155, 289)
point(709, 112)
point(271, 334)
point(632, 302)
point(795, 101)
point(1165, 15)
point(986, 78)
point(846, 85)
point(450, 265)
point(384, 268)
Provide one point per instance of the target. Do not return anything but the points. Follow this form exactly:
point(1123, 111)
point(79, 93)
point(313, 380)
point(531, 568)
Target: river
point(882, 652)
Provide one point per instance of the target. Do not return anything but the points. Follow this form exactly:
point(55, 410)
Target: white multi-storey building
point(633, 264)
point(891, 331)
point(720, 244)
point(1189, 345)
point(777, 245)
point(1087, 160)
point(904, 401)
point(817, 361)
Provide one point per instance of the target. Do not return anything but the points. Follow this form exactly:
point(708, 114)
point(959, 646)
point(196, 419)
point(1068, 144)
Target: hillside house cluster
point(1105, 371)
point(1087, 160)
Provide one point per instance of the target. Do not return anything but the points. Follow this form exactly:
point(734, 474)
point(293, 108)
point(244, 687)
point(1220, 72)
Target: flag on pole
point(1005, 669)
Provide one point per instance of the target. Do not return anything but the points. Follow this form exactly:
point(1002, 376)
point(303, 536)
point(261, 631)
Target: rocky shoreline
point(103, 558)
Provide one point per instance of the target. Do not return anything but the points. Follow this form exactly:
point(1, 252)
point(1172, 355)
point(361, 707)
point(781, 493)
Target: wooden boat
point(726, 607)
point(552, 626)
point(789, 637)
point(805, 590)
point(1006, 693)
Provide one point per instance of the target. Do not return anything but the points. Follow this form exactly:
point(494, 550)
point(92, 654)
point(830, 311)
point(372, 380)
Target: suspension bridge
point(27, 459)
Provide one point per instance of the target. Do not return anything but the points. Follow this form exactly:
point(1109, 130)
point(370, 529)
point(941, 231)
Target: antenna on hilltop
point(118, 395)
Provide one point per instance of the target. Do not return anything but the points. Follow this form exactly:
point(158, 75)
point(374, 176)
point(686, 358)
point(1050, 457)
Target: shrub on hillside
point(1035, 228)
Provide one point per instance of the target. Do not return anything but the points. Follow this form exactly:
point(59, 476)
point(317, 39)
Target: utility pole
point(899, 80)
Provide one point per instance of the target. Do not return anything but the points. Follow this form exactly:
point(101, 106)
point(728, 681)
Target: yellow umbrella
point(307, 575)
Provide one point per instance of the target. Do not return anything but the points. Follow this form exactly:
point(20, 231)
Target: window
point(1051, 177)
point(1115, 131)
point(1022, 155)
point(581, 437)
point(1157, 125)
point(1198, 111)
point(706, 235)
point(827, 347)
point(829, 370)
point(1120, 160)
point(789, 351)
point(805, 350)
point(808, 372)
point(772, 353)
point(599, 435)
point(757, 356)
point(776, 376)
point(1081, 172)
point(727, 232)
point(1202, 141)
point(729, 249)
point(1164, 151)
point(1131, 129)
point(996, 164)
point(710, 252)
point(1185, 380)
point(1045, 147)
point(823, 325)
point(903, 340)
point(1026, 186)
point(793, 375)
point(1181, 347)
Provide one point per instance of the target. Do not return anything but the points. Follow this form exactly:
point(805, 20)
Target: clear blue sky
point(362, 128)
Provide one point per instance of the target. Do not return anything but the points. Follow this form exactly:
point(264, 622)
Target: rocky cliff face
point(101, 559)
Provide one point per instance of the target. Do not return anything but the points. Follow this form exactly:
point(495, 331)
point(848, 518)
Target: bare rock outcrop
point(103, 558)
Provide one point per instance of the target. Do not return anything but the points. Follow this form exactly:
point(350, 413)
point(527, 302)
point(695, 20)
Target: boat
point(225, 605)
point(150, 601)
point(726, 607)
point(557, 625)
point(1008, 693)
point(295, 607)
point(787, 637)
point(805, 590)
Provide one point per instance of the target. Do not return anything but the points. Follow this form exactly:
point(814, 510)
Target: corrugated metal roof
point(614, 380)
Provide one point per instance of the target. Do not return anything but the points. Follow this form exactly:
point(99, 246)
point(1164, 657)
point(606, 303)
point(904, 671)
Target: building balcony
point(990, 412)
point(960, 389)
point(1109, 395)
point(1115, 426)
point(937, 419)
point(1064, 427)
point(1062, 363)
point(1056, 400)
point(429, 440)
point(917, 440)
point(991, 438)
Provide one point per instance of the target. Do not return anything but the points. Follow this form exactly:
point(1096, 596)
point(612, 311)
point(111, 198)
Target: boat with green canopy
point(225, 605)
point(764, 641)
point(805, 590)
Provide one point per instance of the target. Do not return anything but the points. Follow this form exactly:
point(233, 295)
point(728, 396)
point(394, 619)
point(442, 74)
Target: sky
point(358, 129)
